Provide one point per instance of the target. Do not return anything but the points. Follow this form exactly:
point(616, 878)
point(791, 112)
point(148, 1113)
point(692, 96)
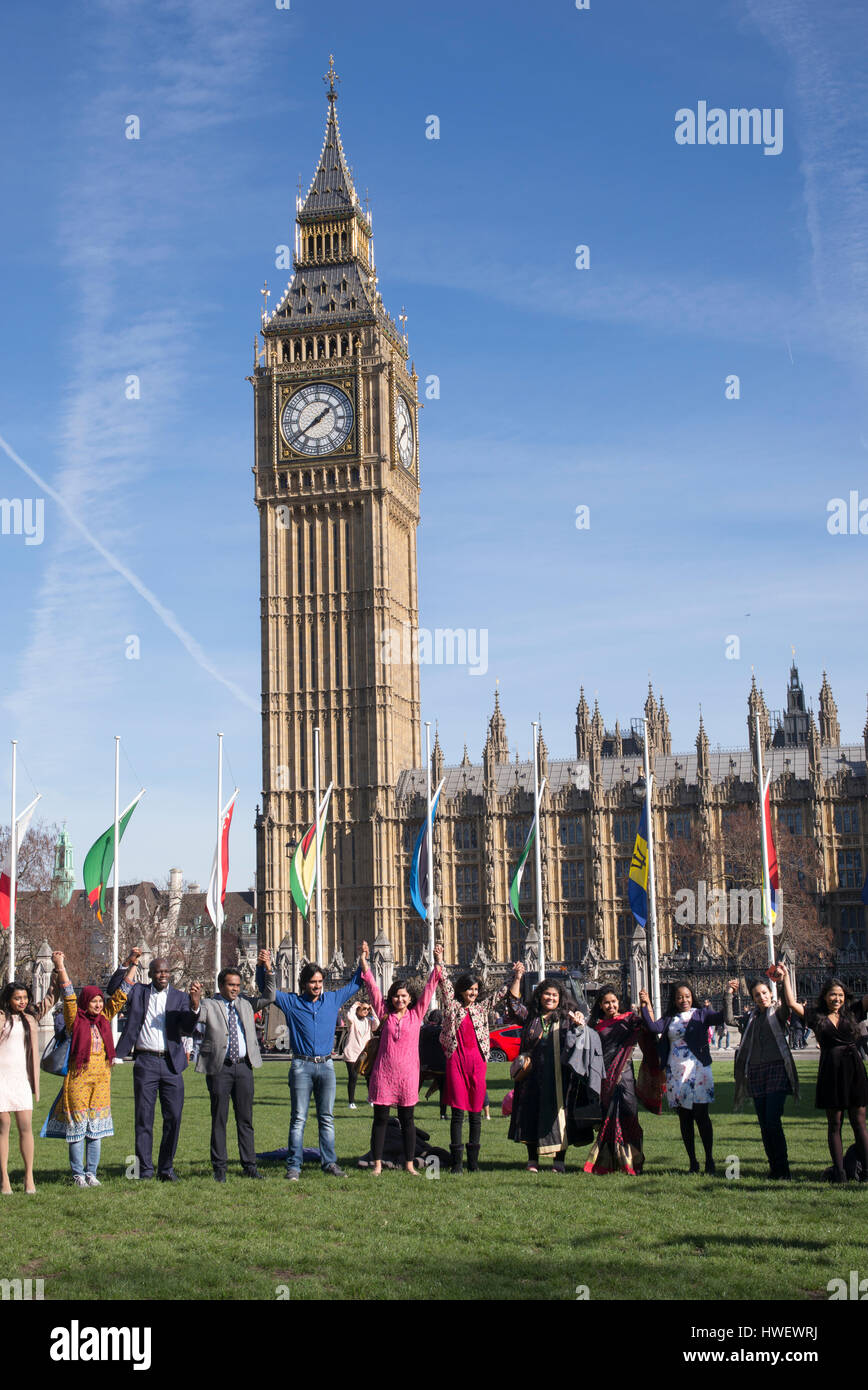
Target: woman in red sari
point(618, 1145)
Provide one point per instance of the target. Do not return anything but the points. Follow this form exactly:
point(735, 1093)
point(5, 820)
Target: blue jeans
point(76, 1156)
point(306, 1078)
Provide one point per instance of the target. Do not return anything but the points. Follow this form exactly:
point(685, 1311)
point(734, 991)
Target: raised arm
point(728, 1000)
point(446, 992)
point(370, 982)
point(266, 982)
point(41, 1009)
point(792, 1003)
point(70, 1003)
point(654, 1025)
point(119, 998)
point(423, 1003)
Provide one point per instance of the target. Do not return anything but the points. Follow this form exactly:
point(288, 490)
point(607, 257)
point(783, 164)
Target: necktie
point(233, 1034)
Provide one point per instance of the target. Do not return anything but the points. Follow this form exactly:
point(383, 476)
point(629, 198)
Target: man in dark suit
point(158, 1016)
point(227, 1056)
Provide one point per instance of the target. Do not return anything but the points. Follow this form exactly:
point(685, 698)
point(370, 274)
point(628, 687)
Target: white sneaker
point(79, 1180)
point(352, 1105)
point(92, 1180)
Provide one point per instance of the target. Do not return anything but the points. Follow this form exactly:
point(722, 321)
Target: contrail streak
point(165, 615)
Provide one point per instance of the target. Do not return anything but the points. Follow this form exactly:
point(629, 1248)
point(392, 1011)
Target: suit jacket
point(180, 1020)
point(212, 1015)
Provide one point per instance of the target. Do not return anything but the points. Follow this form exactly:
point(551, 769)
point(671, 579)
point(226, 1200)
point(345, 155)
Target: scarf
point(80, 1047)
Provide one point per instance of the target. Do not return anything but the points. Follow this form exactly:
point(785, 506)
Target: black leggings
point(408, 1131)
point(352, 1078)
point(457, 1126)
point(703, 1124)
point(835, 1119)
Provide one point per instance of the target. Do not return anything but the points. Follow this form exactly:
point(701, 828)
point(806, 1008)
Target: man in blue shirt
point(311, 1018)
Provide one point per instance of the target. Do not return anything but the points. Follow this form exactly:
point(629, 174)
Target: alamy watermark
point(718, 907)
point(444, 646)
point(23, 516)
point(737, 126)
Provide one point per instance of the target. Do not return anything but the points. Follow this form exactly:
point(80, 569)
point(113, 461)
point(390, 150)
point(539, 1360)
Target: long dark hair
point(596, 1011)
point(671, 1007)
point(13, 988)
point(535, 1008)
point(822, 1006)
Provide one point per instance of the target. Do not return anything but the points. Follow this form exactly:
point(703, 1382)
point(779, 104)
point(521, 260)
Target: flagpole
point(652, 891)
point(318, 879)
point(13, 869)
point(538, 854)
point(767, 887)
point(430, 899)
point(218, 902)
point(115, 893)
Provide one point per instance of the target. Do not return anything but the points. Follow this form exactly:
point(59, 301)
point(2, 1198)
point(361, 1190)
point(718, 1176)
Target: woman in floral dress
point(81, 1114)
point(395, 1073)
point(686, 1054)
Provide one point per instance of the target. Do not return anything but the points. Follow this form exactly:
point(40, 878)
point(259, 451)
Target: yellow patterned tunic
point(83, 1108)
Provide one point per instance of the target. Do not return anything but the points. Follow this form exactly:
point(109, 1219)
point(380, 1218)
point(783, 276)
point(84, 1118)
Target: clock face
point(317, 419)
point(404, 432)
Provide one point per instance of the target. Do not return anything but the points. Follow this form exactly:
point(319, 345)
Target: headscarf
point(80, 1048)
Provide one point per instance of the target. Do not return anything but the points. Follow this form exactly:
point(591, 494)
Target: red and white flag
point(22, 823)
point(211, 897)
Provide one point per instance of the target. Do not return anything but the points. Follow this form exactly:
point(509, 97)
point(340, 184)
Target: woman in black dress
point(842, 1083)
point(539, 1108)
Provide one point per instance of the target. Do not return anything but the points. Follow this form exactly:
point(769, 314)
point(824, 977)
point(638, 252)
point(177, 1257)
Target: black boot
point(457, 1152)
point(473, 1158)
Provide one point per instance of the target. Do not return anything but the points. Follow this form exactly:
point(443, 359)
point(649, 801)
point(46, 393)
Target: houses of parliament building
point(337, 485)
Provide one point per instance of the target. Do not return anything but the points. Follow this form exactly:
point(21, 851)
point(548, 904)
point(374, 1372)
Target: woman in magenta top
point(395, 1073)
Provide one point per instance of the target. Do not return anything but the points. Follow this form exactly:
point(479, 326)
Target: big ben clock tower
point(337, 488)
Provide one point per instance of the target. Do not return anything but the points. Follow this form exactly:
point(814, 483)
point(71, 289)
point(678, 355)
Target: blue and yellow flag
point(637, 885)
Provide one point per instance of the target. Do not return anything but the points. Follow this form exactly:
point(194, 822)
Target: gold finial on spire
point(266, 295)
point(331, 78)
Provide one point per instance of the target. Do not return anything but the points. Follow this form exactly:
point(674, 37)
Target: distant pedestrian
point(361, 1022)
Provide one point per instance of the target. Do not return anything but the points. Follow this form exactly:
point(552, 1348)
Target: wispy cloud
point(825, 45)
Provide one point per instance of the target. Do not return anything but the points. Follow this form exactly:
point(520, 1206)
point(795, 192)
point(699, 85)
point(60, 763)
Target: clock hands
point(321, 416)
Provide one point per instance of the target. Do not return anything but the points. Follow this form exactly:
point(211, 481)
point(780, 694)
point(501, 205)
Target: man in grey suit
point(227, 1056)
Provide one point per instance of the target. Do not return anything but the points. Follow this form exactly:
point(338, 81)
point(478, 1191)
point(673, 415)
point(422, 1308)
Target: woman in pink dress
point(466, 1025)
point(395, 1073)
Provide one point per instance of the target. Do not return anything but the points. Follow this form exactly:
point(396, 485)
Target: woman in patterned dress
point(685, 1052)
point(618, 1146)
point(395, 1073)
point(464, 1037)
point(19, 1074)
point(82, 1113)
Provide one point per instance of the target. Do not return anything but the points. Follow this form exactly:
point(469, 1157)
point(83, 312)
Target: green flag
point(100, 857)
point(515, 886)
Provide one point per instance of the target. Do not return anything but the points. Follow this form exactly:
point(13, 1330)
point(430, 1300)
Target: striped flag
point(22, 823)
point(420, 865)
point(211, 895)
point(515, 886)
point(637, 882)
point(774, 875)
point(303, 869)
point(100, 858)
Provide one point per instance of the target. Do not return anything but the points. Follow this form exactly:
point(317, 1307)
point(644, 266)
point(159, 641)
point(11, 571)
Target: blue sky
point(559, 387)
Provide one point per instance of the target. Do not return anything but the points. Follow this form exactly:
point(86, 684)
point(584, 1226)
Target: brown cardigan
point(30, 1019)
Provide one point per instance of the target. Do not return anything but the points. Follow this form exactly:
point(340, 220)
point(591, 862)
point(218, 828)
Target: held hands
point(732, 986)
point(517, 970)
point(133, 957)
point(577, 1017)
point(195, 995)
point(364, 956)
point(264, 958)
point(57, 957)
point(438, 953)
point(644, 998)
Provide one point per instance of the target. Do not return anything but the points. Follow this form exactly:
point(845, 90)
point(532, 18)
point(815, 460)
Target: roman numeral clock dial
point(317, 420)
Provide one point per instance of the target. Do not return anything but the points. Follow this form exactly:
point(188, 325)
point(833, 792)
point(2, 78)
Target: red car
point(505, 1043)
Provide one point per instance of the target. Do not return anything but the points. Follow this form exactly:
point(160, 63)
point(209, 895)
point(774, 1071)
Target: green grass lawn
point(502, 1233)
